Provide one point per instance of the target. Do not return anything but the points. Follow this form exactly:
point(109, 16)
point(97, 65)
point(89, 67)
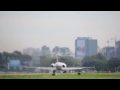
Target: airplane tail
point(57, 57)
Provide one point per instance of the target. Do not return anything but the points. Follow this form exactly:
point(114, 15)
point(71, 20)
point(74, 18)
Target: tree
point(5, 56)
point(17, 52)
point(1, 61)
point(98, 61)
point(46, 62)
point(100, 56)
point(86, 60)
point(113, 63)
point(25, 59)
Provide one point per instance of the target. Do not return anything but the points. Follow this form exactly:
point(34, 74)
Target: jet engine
point(63, 65)
point(52, 65)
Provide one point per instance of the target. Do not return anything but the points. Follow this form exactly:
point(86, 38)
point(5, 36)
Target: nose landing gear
point(54, 72)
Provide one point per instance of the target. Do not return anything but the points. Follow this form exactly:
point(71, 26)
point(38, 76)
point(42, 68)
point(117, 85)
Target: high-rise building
point(35, 54)
point(85, 46)
point(108, 52)
point(32, 51)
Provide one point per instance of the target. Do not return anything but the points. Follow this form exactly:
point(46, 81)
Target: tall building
point(85, 46)
point(32, 51)
point(108, 52)
point(35, 54)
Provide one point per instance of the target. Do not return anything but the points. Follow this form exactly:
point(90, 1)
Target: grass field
point(61, 76)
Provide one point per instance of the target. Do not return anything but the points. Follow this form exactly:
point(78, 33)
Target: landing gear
point(54, 72)
point(64, 71)
point(79, 73)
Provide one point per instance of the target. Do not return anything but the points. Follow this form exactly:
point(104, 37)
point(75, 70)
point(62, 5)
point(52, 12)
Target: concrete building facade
point(85, 46)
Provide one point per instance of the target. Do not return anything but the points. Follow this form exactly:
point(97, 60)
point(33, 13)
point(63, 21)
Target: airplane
point(61, 66)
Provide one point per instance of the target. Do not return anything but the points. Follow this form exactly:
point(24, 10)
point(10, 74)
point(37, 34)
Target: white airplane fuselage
point(59, 65)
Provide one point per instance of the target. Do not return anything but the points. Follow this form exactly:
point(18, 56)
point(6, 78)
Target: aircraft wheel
point(64, 71)
point(79, 73)
point(54, 73)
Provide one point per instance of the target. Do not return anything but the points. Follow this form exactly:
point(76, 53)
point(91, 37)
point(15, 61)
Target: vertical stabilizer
point(57, 57)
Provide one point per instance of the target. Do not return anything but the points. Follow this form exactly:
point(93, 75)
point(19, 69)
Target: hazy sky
point(22, 29)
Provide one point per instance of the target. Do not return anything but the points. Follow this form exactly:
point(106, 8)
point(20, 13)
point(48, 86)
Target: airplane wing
point(67, 68)
point(42, 68)
point(77, 68)
point(46, 68)
point(53, 68)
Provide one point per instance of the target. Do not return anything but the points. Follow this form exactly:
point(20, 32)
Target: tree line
point(44, 61)
point(98, 61)
point(5, 57)
point(101, 63)
point(70, 61)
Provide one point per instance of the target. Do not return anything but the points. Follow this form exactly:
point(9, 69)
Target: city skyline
point(24, 29)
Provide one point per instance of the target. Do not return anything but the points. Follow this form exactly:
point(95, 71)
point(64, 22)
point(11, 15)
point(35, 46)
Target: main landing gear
point(79, 73)
point(64, 71)
point(54, 72)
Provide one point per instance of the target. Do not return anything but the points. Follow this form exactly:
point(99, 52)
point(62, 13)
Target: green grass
point(62, 76)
